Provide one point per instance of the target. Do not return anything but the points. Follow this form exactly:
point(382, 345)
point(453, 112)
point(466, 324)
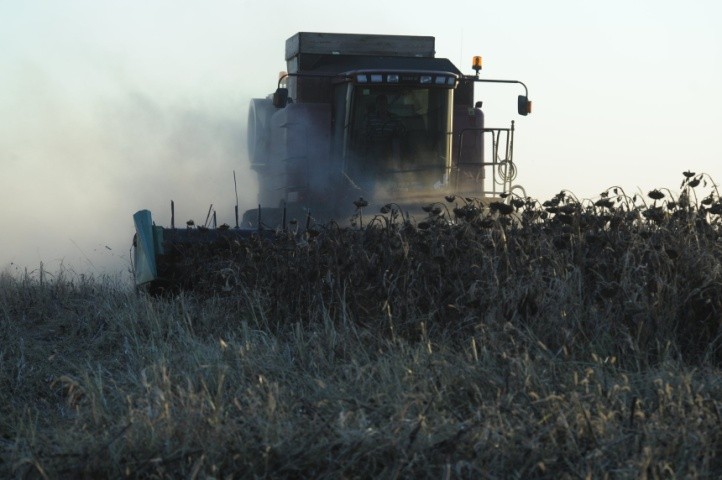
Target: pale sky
point(108, 107)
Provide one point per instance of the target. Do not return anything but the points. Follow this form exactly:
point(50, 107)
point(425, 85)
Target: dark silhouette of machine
point(373, 116)
point(356, 119)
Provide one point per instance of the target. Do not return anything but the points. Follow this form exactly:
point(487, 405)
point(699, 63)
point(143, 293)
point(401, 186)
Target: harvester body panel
point(144, 263)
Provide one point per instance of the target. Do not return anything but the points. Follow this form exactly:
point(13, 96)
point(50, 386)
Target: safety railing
point(496, 159)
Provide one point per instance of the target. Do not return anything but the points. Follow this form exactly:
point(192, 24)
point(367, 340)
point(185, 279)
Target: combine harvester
point(363, 120)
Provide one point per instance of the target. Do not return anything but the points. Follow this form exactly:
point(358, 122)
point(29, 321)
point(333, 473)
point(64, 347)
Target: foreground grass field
point(583, 342)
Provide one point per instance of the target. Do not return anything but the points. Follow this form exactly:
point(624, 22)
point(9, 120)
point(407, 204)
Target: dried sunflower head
point(502, 208)
point(605, 203)
point(656, 195)
point(716, 209)
point(361, 203)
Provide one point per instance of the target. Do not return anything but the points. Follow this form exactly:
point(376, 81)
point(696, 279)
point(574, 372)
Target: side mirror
point(523, 105)
point(280, 97)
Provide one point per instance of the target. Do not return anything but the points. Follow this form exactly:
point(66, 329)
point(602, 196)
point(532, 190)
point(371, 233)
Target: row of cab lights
point(394, 78)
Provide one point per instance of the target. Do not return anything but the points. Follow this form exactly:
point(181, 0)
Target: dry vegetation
point(559, 340)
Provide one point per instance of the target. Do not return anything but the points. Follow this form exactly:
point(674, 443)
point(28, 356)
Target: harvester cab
point(355, 119)
point(375, 117)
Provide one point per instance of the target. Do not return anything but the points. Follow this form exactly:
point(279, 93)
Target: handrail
point(503, 170)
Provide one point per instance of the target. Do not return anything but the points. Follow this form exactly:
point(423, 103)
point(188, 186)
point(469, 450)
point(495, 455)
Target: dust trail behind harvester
point(74, 166)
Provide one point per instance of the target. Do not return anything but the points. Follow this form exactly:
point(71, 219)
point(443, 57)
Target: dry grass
point(582, 342)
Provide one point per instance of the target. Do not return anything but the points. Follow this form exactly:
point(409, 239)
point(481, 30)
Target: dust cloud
point(77, 162)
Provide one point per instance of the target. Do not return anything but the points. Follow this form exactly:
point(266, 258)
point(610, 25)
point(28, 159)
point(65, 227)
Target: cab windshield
point(399, 136)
